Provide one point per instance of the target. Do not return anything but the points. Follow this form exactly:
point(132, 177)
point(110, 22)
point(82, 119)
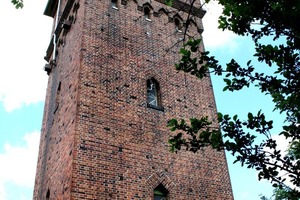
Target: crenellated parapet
point(68, 12)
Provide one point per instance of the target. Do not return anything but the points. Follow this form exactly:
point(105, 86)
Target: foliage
point(278, 20)
point(285, 194)
point(294, 150)
point(18, 3)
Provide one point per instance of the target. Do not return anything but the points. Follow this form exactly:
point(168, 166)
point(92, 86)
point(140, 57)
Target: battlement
point(178, 8)
point(179, 5)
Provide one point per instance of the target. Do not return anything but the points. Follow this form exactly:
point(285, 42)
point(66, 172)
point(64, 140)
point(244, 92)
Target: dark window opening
point(160, 193)
point(48, 195)
point(114, 4)
point(57, 98)
point(147, 13)
point(178, 25)
point(153, 94)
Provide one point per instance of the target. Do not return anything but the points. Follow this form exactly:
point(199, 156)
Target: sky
point(24, 38)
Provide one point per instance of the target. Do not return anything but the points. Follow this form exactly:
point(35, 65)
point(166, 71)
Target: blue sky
point(24, 37)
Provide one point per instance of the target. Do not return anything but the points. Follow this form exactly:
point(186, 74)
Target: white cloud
point(25, 35)
point(214, 37)
point(24, 40)
point(18, 164)
point(244, 195)
point(3, 195)
point(283, 145)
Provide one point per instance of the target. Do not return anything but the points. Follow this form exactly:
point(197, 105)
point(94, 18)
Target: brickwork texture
point(99, 138)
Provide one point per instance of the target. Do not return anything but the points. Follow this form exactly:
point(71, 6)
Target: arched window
point(57, 98)
point(153, 94)
point(178, 24)
point(160, 193)
point(147, 13)
point(48, 195)
point(114, 4)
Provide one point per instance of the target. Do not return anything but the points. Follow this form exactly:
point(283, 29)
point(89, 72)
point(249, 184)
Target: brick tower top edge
point(178, 4)
point(112, 88)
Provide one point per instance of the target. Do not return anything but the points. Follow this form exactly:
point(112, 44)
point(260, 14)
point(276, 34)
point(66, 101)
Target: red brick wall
point(54, 169)
point(103, 142)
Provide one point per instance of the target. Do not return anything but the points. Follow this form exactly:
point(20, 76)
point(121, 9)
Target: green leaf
point(250, 116)
point(249, 62)
point(235, 117)
point(18, 3)
point(169, 2)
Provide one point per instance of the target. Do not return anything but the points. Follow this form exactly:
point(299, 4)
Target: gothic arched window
point(160, 192)
point(57, 98)
point(114, 4)
point(153, 94)
point(48, 195)
point(147, 13)
point(178, 24)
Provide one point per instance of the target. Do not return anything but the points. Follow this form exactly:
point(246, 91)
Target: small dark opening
point(57, 98)
point(114, 4)
point(178, 25)
point(152, 92)
point(59, 87)
point(160, 192)
point(48, 195)
point(146, 13)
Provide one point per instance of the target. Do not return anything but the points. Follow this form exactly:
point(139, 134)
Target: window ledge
point(115, 8)
point(160, 108)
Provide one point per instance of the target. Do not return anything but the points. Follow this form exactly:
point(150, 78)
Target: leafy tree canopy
point(18, 3)
point(283, 193)
point(278, 20)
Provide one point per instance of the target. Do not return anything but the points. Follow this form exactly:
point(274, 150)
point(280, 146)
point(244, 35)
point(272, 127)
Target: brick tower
point(112, 88)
